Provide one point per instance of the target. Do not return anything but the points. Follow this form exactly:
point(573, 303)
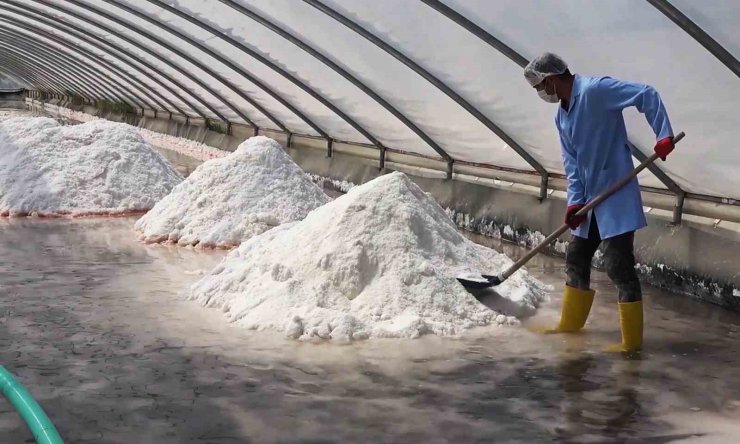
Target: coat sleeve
point(575, 186)
point(617, 95)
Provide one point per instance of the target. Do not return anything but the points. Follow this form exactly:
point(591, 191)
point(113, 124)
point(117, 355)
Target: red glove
point(664, 147)
point(571, 219)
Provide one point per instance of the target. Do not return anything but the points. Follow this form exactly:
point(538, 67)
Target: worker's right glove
point(664, 147)
point(571, 219)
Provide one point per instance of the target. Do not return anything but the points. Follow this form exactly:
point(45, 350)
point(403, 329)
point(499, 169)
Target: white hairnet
point(548, 64)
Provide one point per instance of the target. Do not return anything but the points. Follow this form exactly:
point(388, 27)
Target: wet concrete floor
point(95, 325)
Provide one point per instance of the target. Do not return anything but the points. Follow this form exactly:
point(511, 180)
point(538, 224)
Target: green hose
point(36, 420)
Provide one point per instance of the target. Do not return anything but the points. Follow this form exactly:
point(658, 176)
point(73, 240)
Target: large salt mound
point(380, 261)
point(228, 200)
point(99, 167)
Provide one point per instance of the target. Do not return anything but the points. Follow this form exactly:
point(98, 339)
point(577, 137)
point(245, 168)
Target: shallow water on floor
point(95, 325)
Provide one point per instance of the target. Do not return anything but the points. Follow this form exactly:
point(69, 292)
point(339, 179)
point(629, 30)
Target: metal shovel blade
point(490, 281)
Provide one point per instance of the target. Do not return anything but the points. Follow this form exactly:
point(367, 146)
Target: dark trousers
point(619, 259)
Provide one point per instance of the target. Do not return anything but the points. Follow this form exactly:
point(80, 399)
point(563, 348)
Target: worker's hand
point(664, 147)
point(571, 219)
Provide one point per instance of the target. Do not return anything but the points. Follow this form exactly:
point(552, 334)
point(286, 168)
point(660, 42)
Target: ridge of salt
point(96, 168)
point(233, 198)
point(379, 261)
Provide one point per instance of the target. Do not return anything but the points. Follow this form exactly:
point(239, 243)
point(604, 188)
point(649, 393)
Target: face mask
point(549, 98)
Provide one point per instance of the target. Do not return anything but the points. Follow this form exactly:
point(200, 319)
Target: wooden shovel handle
point(583, 211)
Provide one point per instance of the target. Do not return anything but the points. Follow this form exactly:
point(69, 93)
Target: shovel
point(491, 281)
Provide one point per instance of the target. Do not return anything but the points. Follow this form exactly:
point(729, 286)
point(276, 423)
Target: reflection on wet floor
point(96, 326)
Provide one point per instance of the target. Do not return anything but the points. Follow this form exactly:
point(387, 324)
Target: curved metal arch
point(19, 79)
point(146, 34)
point(31, 47)
point(293, 79)
point(67, 61)
point(92, 39)
point(134, 98)
point(131, 79)
point(26, 68)
point(695, 31)
point(153, 53)
point(53, 80)
point(398, 55)
point(39, 81)
point(242, 72)
point(346, 75)
point(522, 62)
point(68, 79)
point(22, 50)
point(96, 59)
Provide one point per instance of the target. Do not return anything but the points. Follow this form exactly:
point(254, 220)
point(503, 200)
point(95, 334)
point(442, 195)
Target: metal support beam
point(26, 49)
point(522, 62)
point(112, 49)
point(53, 73)
point(18, 78)
point(418, 69)
point(153, 53)
point(31, 47)
point(133, 97)
point(227, 62)
point(329, 147)
point(25, 72)
point(692, 29)
point(339, 70)
point(184, 55)
point(35, 80)
point(58, 25)
point(678, 208)
point(267, 62)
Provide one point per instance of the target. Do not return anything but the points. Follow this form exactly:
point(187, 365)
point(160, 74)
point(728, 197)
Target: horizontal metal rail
point(267, 62)
point(418, 69)
point(227, 62)
point(31, 47)
point(128, 96)
point(153, 53)
point(342, 72)
point(521, 61)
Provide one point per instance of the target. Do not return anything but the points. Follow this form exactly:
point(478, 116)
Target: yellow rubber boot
point(630, 319)
point(576, 307)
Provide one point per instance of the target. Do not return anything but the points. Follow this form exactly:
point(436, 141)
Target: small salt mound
point(99, 167)
point(380, 261)
point(231, 199)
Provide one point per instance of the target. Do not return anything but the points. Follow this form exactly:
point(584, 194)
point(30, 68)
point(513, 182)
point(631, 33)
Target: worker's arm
point(617, 95)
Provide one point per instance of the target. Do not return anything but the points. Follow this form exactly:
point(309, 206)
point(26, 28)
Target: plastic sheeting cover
point(630, 40)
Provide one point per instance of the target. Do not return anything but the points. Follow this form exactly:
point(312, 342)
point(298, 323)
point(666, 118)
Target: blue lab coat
point(595, 152)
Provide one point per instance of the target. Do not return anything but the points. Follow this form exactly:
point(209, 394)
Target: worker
point(596, 154)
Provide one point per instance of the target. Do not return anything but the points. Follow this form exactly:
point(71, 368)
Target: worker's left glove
point(664, 147)
point(571, 219)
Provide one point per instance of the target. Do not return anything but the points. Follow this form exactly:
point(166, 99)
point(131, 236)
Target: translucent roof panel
point(411, 78)
point(632, 40)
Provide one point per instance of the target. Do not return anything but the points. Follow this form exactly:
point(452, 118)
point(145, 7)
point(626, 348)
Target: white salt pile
point(96, 168)
point(380, 261)
point(229, 200)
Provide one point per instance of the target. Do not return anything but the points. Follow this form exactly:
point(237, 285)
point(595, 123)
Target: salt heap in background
point(380, 261)
point(96, 168)
point(228, 200)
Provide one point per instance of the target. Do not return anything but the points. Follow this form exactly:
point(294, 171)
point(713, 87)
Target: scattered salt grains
point(181, 145)
point(229, 200)
point(96, 168)
point(380, 261)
